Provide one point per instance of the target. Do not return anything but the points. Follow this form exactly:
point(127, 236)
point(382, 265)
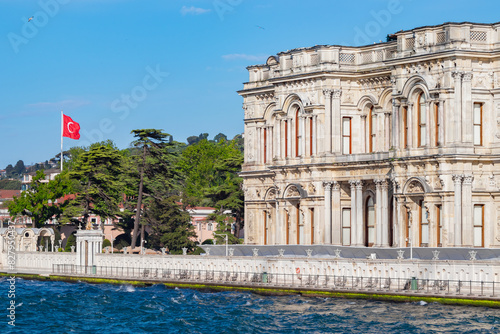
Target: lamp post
point(226, 238)
point(143, 251)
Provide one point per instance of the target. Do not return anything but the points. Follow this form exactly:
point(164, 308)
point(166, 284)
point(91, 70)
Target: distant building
point(50, 174)
point(204, 227)
point(385, 145)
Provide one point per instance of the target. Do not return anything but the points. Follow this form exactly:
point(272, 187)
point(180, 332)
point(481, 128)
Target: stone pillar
point(396, 131)
point(457, 180)
point(387, 131)
point(278, 139)
point(378, 213)
point(385, 214)
point(410, 119)
point(428, 131)
point(337, 215)
point(354, 228)
point(278, 225)
point(359, 213)
point(89, 242)
point(336, 121)
point(315, 134)
point(289, 139)
point(302, 136)
point(467, 121)
point(328, 213)
point(467, 218)
point(457, 113)
point(328, 121)
point(364, 145)
point(258, 145)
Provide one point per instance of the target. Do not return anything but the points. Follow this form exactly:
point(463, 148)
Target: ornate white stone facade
point(381, 145)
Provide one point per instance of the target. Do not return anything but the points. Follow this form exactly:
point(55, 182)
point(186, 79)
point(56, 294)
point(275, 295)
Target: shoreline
point(270, 291)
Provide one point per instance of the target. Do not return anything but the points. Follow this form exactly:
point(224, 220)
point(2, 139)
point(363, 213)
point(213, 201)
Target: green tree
point(170, 225)
point(150, 141)
point(10, 184)
point(210, 171)
point(39, 202)
point(97, 177)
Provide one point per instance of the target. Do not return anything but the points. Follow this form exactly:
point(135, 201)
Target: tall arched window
point(404, 115)
point(422, 120)
point(297, 133)
point(369, 222)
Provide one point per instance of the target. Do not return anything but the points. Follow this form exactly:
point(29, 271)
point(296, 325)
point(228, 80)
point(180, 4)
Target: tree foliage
point(39, 202)
point(96, 174)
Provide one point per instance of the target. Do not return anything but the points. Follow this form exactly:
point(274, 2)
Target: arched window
point(210, 227)
point(422, 120)
point(297, 133)
point(369, 222)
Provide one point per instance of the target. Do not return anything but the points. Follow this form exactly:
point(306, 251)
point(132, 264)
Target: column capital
point(359, 185)
point(457, 178)
point(352, 183)
point(328, 93)
point(468, 179)
point(467, 76)
point(327, 185)
point(336, 93)
point(457, 75)
point(335, 185)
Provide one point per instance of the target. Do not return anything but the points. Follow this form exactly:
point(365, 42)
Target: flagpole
point(62, 129)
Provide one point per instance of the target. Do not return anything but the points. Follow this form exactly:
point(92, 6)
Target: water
point(58, 307)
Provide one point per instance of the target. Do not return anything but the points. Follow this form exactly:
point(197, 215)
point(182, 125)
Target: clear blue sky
point(86, 56)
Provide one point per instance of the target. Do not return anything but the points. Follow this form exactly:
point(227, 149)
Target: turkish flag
point(71, 129)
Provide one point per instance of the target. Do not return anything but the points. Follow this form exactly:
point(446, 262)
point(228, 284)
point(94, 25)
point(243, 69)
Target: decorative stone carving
point(311, 188)
point(415, 187)
point(292, 192)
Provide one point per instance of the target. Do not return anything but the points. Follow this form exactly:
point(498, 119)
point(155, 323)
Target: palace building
point(385, 145)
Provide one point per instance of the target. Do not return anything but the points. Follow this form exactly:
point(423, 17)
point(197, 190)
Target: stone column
point(258, 146)
point(467, 121)
point(336, 121)
point(289, 139)
point(328, 213)
point(396, 131)
point(354, 228)
point(410, 120)
point(315, 134)
point(278, 225)
point(359, 213)
point(457, 113)
point(337, 215)
point(328, 121)
point(278, 139)
point(457, 180)
point(387, 131)
point(363, 147)
point(385, 214)
point(428, 109)
point(378, 213)
point(302, 136)
point(467, 220)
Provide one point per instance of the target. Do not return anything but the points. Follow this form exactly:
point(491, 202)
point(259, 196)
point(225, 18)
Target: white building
point(380, 145)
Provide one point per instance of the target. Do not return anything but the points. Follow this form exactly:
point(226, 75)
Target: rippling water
point(58, 307)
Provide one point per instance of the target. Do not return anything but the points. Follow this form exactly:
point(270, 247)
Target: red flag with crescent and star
point(71, 129)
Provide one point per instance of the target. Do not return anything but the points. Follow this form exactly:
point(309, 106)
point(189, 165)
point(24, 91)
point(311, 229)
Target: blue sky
point(119, 65)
